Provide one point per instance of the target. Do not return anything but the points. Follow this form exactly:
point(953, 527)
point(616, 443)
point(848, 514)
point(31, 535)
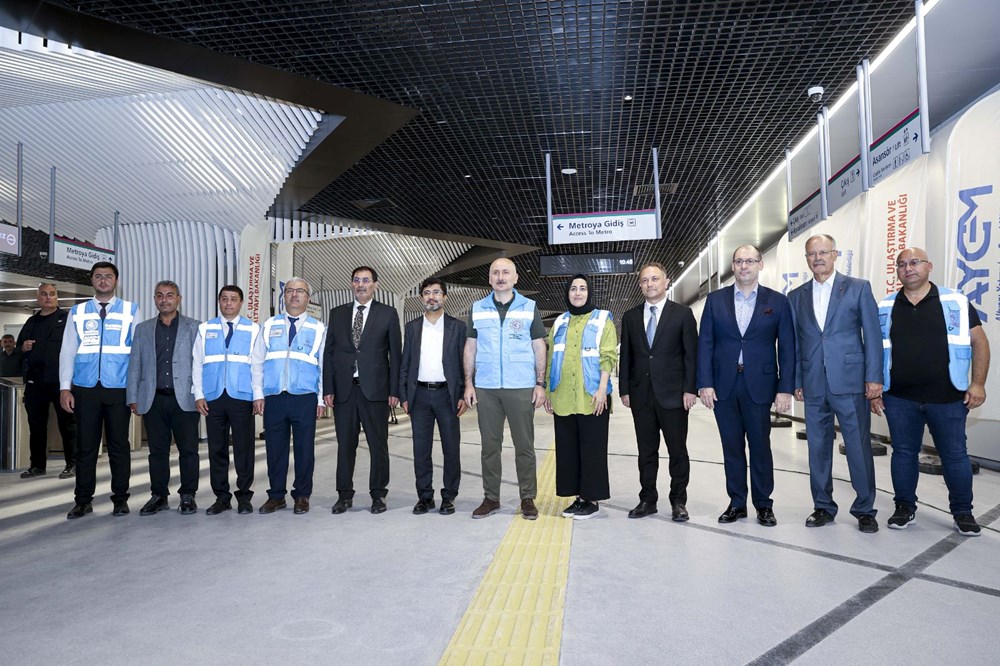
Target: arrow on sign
point(915, 135)
point(559, 227)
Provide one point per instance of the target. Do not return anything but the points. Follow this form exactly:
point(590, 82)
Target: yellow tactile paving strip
point(516, 614)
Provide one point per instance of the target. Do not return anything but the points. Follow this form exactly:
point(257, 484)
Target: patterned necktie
point(104, 310)
point(291, 329)
point(651, 326)
point(229, 335)
point(359, 320)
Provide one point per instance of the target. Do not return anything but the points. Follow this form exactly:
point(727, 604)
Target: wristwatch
point(541, 384)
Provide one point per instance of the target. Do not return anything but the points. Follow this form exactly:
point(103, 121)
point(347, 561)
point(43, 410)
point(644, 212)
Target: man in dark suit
point(431, 380)
point(361, 381)
point(659, 347)
point(838, 370)
point(740, 375)
point(159, 388)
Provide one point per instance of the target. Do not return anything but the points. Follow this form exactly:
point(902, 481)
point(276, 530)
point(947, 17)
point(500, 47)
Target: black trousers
point(428, 406)
point(101, 410)
point(348, 417)
point(582, 456)
point(225, 415)
point(650, 421)
point(288, 416)
point(38, 397)
point(165, 418)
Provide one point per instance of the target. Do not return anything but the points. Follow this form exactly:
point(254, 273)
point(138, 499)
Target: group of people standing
point(828, 343)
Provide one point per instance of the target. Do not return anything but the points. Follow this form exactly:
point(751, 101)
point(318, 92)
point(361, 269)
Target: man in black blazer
point(433, 387)
point(361, 382)
point(659, 347)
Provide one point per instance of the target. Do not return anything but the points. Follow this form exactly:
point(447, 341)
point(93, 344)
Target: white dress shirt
point(822, 291)
point(432, 351)
point(646, 313)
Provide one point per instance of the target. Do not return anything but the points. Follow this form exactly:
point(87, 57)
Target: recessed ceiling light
point(628, 98)
point(442, 122)
point(468, 175)
point(619, 169)
point(569, 171)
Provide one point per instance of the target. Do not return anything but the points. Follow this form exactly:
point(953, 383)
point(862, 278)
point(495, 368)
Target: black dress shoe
point(732, 514)
point(342, 505)
point(422, 506)
point(79, 511)
point(643, 509)
point(867, 524)
point(378, 505)
point(301, 505)
point(121, 508)
point(187, 506)
point(273, 504)
point(155, 504)
point(218, 507)
point(244, 506)
point(766, 517)
point(447, 507)
point(819, 518)
point(679, 513)
point(68, 472)
point(32, 472)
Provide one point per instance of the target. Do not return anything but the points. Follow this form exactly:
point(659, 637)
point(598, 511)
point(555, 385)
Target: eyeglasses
point(295, 291)
point(822, 254)
point(362, 280)
point(746, 262)
point(431, 292)
point(912, 263)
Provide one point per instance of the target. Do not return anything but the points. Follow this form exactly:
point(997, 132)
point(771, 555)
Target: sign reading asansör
point(605, 226)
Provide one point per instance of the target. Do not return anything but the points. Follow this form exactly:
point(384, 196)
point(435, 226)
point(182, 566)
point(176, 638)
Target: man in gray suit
point(838, 370)
point(159, 388)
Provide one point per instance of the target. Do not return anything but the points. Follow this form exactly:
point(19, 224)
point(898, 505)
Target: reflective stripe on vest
point(504, 357)
point(103, 346)
point(293, 368)
point(590, 350)
point(955, 307)
point(227, 370)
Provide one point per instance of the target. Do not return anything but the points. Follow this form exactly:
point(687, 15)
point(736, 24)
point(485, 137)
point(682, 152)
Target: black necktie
point(359, 322)
point(229, 335)
point(291, 329)
point(104, 310)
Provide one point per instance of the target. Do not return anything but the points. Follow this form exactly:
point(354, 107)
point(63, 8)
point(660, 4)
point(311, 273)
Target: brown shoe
point(272, 505)
point(301, 505)
point(528, 509)
point(487, 508)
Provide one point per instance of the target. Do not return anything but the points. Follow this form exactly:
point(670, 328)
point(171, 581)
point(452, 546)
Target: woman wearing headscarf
point(582, 354)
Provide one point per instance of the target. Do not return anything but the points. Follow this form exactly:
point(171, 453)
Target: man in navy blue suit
point(746, 360)
point(838, 355)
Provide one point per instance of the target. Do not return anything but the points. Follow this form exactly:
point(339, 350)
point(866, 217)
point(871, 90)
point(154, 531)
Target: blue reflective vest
point(504, 358)
point(590, 350)
point(294, 368)
point(103, 345)
point(955, 306)
point(227, 369)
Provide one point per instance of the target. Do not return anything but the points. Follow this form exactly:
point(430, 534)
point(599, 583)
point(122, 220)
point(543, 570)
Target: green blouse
point(571, 397)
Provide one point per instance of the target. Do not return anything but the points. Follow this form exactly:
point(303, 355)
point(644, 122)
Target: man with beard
point(361, 381)
point(430, 379)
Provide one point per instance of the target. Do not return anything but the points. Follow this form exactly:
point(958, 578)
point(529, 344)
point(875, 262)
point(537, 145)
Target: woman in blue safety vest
point(582, 354)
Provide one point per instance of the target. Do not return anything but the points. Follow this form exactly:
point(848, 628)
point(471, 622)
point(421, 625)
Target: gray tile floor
point(391, 589)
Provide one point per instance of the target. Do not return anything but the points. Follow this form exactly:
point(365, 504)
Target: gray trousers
point(514, 405)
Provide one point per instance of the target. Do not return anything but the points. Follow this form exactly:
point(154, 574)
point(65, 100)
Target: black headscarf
point(586, 307)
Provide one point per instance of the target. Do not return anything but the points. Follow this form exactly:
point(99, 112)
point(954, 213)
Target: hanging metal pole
point(656, 192)
point(20, 198)
point(548, 191)
point(863, 139)
point(117, 258)
point(52, 216)
point(788, 186)
point(825, 211)
point(925, 121)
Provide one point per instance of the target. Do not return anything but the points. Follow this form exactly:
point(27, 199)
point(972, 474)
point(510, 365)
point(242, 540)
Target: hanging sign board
point(75, 254)
point(896, 148)
point(603, 227)
point(807, 214)
point(845, 185)
point(10, 239)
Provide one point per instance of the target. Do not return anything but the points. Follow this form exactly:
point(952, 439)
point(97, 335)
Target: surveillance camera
point(815, 94)
point(681, 264)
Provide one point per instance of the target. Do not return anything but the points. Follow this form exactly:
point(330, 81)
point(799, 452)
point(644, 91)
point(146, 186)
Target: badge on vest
point(277, 331)
point(112, 327)
point(953, 319)
point(90, 325)
point(211, 335)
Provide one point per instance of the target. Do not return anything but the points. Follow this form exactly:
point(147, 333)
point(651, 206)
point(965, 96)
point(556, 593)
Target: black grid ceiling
point(718, 86)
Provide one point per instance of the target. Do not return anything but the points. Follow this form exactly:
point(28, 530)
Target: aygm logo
point(973, 246)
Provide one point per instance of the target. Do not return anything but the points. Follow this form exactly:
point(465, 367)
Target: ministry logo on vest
point(517, 325)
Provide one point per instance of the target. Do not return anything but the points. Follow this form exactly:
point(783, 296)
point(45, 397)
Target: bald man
point(932, 341)
point(505, 375)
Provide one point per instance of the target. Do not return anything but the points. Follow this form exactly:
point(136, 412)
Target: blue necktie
point(291, 329)
point(651, 326)
point(229, 335)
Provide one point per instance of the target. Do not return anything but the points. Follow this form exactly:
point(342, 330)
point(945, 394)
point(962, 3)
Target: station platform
point(403, 589)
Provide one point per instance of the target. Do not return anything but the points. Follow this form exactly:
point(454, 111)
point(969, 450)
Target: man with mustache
point(838, 370)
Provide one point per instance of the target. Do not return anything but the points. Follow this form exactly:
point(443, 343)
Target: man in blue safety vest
point(931, 339)
point(505, 374)
point(93, 372)
point(290, 348)
point(223, 376)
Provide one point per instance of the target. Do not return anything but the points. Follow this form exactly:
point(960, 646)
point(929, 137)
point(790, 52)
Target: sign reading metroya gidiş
point(78, 255)
point(603, 227)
